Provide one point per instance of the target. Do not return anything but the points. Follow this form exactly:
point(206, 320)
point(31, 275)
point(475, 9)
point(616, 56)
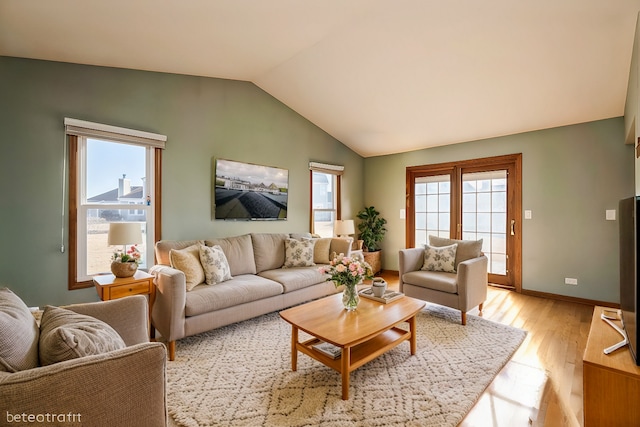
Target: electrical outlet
point(570, 281)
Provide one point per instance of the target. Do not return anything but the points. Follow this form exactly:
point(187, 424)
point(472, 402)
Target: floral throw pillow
point(298, 253)
point(441, 258)
point(215, 264)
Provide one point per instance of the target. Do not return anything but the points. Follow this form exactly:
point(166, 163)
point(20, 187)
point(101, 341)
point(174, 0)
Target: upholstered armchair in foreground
point(122, 387)
point(462, 288)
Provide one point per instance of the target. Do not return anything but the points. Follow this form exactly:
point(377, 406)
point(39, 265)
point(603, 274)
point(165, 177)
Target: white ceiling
point(382, 76)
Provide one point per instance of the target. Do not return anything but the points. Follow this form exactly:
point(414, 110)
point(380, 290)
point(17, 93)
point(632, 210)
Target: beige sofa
point(121, 387)
point(260, 283)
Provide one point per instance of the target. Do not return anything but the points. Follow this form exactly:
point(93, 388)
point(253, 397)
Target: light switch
point(610, 214)
point(527, 214)
point(403, 214)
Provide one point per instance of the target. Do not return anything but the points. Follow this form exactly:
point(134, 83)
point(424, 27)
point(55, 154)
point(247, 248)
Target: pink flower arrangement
point(348, 271)
point(131, 255)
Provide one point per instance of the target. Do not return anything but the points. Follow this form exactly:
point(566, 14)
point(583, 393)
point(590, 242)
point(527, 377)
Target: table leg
point(412, 339)
point(294, 348)
point(344, 371)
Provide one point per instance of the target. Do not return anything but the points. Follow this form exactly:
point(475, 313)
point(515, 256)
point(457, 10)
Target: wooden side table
point(111, 287)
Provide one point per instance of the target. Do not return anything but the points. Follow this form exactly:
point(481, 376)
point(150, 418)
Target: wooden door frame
point(512, 163)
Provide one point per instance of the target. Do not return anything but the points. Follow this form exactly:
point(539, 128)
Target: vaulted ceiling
point(381, 76)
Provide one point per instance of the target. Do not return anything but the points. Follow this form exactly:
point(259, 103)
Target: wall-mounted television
point(629, 252)
point(246, 191)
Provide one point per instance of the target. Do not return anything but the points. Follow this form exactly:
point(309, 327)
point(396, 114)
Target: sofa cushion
point(18, 334)
point(268, 250)
point(295, 278)
point(163, 248)
point(440, 258)
point(187, 260)
point(467, 249)
point(438, 281)
point(215, 265)
point(66, 335)
point(239, 290)
point(239, 253)
point(321, 250)
point(300, 236)
point(298, 253)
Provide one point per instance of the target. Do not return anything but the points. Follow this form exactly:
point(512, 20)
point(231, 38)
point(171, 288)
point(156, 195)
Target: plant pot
point(124, 269)
point(374, 259)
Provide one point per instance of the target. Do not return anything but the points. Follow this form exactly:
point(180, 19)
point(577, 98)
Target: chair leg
point(464, 318)
point(480, 307)
point(171, 346)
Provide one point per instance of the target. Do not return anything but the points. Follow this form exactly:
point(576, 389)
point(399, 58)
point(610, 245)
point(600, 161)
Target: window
point(325, 197)
point(114, 177)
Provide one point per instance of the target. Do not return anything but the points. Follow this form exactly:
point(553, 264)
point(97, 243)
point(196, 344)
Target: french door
point(471, 200)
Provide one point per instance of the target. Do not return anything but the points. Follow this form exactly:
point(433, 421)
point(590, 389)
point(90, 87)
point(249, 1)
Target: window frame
point(336, 171)
point(76, 163)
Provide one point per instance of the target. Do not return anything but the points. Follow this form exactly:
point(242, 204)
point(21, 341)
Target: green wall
point(571, 175)
point(203, 118)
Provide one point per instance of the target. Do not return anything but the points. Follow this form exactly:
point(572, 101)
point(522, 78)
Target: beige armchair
point(118, 388)
point(463, 289)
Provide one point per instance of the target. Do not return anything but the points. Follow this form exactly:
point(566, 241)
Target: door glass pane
point(432, 212)
point(484, 215)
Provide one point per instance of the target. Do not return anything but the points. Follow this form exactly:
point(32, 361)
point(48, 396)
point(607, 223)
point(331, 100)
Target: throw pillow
point(66, 335)
point(298, 253)
point(467, 249)
point(440, 259)
point(187, 260)
point(18, 334)
point(215, 264)
point(321, 250)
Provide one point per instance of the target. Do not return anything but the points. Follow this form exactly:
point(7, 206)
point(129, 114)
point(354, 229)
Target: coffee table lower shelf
point(355, 356)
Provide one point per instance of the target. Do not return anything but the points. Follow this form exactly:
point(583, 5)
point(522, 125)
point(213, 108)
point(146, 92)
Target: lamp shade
point(124, 233)
point(343, 227)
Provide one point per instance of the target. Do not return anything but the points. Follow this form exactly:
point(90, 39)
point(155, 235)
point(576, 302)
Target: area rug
point(240, 375)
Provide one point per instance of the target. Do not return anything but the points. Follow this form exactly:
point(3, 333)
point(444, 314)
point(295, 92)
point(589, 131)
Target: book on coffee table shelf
point(388, 296)
point(333, 351)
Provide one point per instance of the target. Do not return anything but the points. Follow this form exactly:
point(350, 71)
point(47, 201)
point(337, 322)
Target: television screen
point(629, 253)
point(244, 191)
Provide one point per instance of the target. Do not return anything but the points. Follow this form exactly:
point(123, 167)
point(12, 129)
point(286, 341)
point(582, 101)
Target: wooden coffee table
point(362, 335)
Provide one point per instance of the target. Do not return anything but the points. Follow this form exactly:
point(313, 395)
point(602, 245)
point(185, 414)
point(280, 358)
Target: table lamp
point(343, 228)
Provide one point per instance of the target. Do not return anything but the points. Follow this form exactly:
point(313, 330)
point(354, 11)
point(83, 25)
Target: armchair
point(463, 289)
point(121, 387)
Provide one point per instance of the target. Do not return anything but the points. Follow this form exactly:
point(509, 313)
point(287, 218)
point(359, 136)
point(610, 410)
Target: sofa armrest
point(122, 387)
point(472, 282)
point(168, 311)
point(409, 260)
point(128, 316)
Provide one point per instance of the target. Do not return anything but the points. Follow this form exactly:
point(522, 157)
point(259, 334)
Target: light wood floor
point(542, 384)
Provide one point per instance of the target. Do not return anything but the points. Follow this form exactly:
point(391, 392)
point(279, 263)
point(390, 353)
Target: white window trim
point(84, 206)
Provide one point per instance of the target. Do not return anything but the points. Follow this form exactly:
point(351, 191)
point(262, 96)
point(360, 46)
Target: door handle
point(513, 227)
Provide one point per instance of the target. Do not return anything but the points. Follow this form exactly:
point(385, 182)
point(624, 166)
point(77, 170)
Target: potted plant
point(125, 263)
point(372, 230)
